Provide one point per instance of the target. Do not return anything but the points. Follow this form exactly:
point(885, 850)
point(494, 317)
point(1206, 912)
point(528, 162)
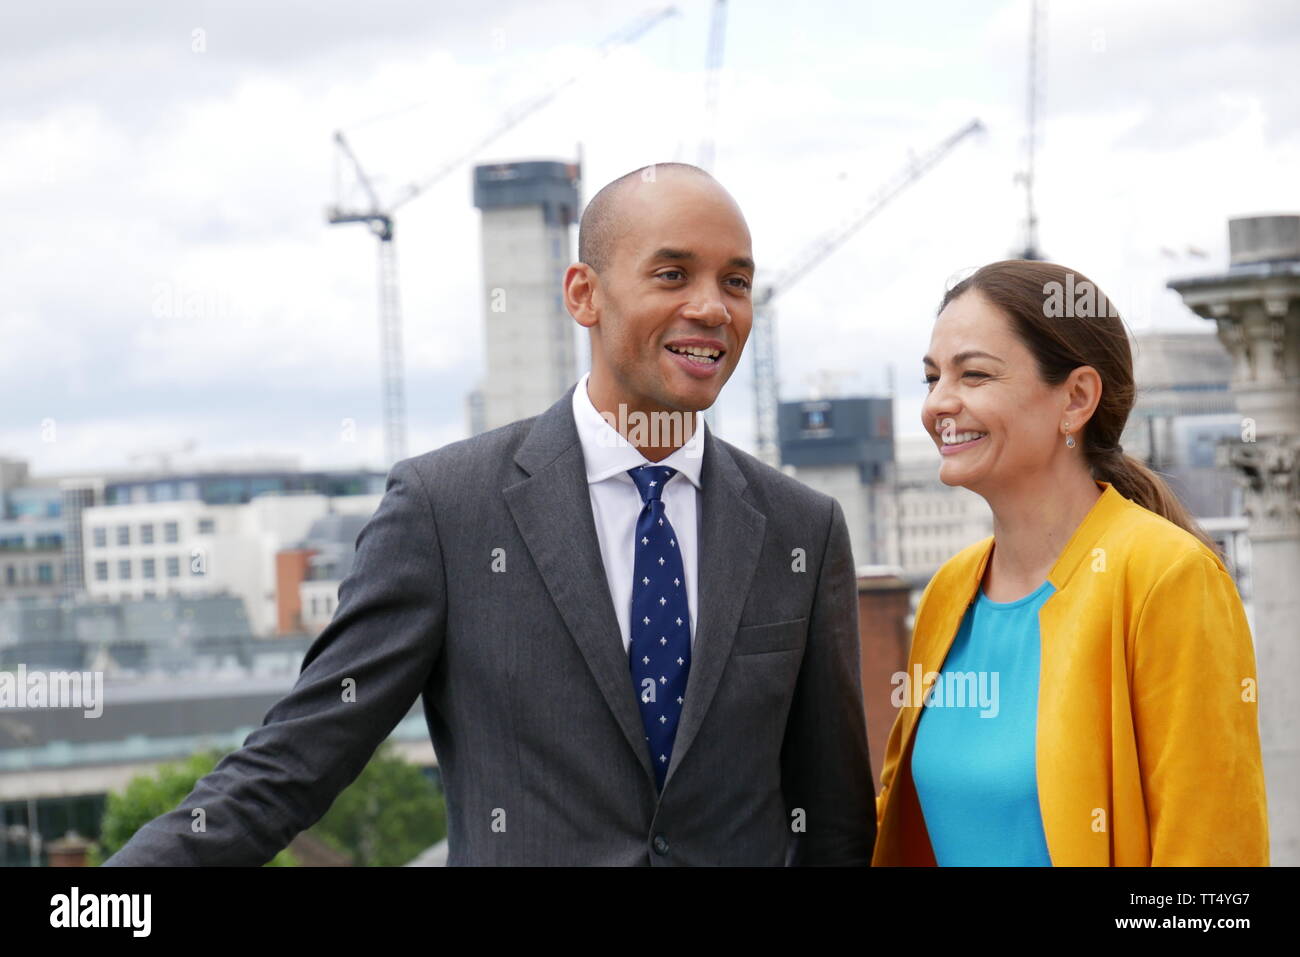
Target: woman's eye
point(932, 379)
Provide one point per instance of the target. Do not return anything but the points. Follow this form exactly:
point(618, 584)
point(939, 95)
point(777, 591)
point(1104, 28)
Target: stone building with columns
point(1255, 306)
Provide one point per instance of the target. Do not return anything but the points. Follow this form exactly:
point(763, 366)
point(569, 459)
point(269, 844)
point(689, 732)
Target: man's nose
point(708, 309)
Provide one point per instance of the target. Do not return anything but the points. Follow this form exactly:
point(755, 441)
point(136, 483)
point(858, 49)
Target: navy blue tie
point(660, 649)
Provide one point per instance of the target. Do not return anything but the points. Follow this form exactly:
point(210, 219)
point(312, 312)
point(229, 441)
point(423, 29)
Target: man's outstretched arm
point(358, 680)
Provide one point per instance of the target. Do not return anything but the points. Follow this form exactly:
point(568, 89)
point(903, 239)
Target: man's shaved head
point(603, 222)
point(666, 273)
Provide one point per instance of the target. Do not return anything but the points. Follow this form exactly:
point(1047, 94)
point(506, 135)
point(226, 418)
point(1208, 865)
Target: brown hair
point(1039, 298)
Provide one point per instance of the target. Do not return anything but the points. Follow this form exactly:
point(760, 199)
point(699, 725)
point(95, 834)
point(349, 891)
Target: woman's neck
point(1032, 523)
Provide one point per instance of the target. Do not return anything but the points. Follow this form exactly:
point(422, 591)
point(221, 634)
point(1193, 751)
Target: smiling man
point(664, 286)
point(630, 651)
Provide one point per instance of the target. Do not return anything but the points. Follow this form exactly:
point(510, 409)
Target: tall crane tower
point(1029, 242)
point(379, 217)
point(713, 69)
point(763, 333)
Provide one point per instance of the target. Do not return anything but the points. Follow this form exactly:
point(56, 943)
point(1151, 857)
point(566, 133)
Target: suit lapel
point(731, 539)
point(552, 509)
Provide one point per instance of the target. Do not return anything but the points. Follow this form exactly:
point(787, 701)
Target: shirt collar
point(607, 454)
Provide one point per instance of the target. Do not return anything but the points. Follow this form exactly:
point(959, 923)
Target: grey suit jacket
point(478, 583)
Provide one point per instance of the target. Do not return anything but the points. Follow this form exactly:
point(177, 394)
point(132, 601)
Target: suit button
point(661, 844)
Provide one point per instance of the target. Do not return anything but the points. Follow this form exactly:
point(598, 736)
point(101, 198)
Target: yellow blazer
point(1148, 734)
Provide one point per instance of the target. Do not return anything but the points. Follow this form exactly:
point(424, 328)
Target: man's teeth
point(697, 353)
point(961, 437)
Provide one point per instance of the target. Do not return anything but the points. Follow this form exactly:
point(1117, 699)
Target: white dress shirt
point(616, 503)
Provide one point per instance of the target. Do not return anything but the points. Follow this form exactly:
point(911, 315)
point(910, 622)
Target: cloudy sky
point(168, 276)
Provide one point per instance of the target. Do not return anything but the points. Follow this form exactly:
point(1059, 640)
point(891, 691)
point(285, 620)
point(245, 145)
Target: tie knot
point(650, 480)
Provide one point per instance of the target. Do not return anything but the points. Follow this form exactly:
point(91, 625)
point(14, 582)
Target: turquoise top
point(973, 758)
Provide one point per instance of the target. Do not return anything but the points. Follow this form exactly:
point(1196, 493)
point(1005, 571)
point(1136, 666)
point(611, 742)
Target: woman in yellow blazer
point(1136, 679)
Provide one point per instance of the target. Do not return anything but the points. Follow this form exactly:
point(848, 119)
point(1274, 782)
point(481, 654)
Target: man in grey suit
point(542, 586)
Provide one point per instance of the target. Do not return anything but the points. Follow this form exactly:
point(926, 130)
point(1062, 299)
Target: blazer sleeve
point(1196, 720)
point(358, 680)
point(826, 767)
point(894, 745)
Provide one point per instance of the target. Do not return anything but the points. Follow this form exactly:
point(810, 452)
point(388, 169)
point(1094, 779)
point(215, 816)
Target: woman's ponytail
point(1139, 484)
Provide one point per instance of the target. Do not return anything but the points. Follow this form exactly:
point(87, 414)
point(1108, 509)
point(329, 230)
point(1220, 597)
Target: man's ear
point(581, 289)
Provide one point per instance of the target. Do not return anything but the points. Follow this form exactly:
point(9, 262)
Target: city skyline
point(172, 278)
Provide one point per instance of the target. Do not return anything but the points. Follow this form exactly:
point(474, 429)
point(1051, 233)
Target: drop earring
point(1069, 439)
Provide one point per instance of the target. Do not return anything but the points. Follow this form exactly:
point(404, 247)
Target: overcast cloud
point(139, 175)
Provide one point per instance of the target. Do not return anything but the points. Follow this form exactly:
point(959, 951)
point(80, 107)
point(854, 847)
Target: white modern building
point(189, 547)
point(529, 337)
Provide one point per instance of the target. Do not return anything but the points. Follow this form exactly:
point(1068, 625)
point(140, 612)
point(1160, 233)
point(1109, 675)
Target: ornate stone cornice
point(1269, 471)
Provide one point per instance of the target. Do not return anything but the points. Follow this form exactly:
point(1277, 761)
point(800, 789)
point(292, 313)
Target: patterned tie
point(660, 650)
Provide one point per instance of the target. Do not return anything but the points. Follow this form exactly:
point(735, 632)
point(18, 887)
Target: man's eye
point(931, 379)
point(664, 275)
point(744, 283)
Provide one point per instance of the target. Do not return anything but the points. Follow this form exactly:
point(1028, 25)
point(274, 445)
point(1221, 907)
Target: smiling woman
point(1127, 731)
point(1062, 323)
point(1043, 370)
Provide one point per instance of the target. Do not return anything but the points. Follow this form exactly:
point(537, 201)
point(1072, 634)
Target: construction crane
point(1029, 243)
point(763, 332)
point(713, 67)
point(379, 217)
point(163, 455)
point(825, 383)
